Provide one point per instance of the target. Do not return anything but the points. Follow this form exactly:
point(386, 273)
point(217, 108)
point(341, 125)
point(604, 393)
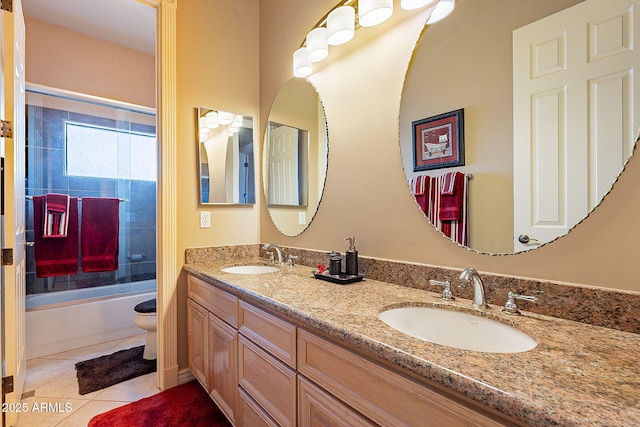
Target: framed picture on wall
point(438, 141)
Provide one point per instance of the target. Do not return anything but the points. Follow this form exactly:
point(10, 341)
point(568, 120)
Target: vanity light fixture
point(213, 120)
point(301, 64)
point(226, 118)
point(374, 12)
point(317, 46)
point(237, 122)
point(341, 25)
point(202, 124)
point(441, 11)
point(413, 4)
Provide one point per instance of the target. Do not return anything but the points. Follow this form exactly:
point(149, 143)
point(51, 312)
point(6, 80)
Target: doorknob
point(526, 240)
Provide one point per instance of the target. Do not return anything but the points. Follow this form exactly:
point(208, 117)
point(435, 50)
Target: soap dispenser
point(351, 258)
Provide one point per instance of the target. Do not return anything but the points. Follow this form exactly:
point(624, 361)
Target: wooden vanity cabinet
point(197, 318)
point(222, 365)
point(263, 371)
point(213, 343)
point(266, 363)
point(380, 394)
point(319, 408)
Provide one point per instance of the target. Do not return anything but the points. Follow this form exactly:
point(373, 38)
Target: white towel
point(56, 215)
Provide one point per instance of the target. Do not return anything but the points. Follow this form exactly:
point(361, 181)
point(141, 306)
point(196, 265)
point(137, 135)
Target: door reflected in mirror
point(288, 164)
point(295, 157)
point(544, 140)
point(226, 157)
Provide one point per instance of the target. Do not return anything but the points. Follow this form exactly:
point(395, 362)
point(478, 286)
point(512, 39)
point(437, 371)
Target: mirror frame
point(405, 121)
point(307, 114)
point(250, 165)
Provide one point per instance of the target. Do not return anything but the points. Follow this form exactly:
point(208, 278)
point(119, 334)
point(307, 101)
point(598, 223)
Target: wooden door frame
point(167, 271)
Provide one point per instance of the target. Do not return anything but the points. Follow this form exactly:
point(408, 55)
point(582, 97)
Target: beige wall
point(217, 67)
point(366, 194)
point(64, 59)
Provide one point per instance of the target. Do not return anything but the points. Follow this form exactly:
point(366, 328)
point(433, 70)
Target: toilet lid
point(146, 307)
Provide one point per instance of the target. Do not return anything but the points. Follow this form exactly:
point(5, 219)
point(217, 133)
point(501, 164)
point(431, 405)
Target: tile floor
point(52, 379)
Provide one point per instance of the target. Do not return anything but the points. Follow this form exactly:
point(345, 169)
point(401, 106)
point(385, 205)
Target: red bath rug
point(187, 405)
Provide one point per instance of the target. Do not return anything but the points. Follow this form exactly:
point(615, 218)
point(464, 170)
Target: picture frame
point(438, 141)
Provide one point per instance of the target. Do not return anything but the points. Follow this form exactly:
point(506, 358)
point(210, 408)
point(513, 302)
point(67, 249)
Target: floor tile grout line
point(74, 356)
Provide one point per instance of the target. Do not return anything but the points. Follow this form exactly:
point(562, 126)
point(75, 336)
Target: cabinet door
point(250, 414)
point(319, 408)
point(386, 397)
point(222, 363)
point(197, 342)
point(268, 381)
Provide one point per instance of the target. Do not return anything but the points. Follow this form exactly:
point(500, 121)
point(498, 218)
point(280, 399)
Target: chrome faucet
point(479, 299)
point(268, 246)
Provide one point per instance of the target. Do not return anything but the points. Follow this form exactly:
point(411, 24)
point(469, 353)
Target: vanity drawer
point(319, 408)
point(380, 394)
point(251, 414)
point(268, 381)
point(221, 303)
point(271, 333)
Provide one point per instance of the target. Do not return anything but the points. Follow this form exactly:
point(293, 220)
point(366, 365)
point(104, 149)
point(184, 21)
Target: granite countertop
point(577, 375)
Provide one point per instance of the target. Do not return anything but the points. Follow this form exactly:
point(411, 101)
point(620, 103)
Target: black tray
point(341, 279)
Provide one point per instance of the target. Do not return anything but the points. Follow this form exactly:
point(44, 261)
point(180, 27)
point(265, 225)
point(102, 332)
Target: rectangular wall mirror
point(288, 165)
point(225, 157)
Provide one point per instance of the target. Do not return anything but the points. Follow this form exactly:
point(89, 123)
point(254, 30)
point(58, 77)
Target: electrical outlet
point(205, 219)
point(302, 218)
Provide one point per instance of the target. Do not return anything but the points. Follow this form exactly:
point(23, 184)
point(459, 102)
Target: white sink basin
point(251, 269)
point(457, 329)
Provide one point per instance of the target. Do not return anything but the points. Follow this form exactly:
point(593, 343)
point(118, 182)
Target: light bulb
point(317, 47)
point(301, 64)
point(225, 118)
point(212, 119)
point(341, 25)
point(374, 12)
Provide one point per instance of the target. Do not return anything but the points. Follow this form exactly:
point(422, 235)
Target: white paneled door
point(283, 166)
point(13, 111)
point(575, 82)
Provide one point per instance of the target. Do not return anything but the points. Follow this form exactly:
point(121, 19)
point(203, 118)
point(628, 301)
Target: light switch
point(205, 219)
point(302, 218)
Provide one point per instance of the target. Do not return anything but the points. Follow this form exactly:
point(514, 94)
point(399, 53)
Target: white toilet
point(147, 319)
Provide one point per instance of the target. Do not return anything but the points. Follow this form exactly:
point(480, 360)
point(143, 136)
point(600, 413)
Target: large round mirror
point(516, 121)
point(295, 157)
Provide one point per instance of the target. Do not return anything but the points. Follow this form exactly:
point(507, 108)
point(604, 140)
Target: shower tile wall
point(46, 174)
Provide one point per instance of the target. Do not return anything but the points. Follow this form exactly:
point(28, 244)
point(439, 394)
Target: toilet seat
point(146, 318)
point(148, 306)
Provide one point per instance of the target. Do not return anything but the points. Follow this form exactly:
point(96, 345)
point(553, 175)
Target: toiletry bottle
point(351, 258)
point(335, 263)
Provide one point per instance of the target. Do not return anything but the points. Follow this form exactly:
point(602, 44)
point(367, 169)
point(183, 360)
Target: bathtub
point(55, 322)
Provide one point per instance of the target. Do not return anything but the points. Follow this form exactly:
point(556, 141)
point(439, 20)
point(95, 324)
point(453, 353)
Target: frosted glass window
point(100, 152)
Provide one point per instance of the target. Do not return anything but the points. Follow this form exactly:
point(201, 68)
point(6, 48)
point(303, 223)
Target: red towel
point(59, 256)
point(451, 196)
point(421, 187)
point(100, 241)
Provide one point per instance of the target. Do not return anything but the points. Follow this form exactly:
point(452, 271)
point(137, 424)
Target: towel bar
point(79, 198)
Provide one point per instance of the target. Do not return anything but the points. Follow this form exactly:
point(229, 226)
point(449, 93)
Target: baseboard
point(184, 376)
